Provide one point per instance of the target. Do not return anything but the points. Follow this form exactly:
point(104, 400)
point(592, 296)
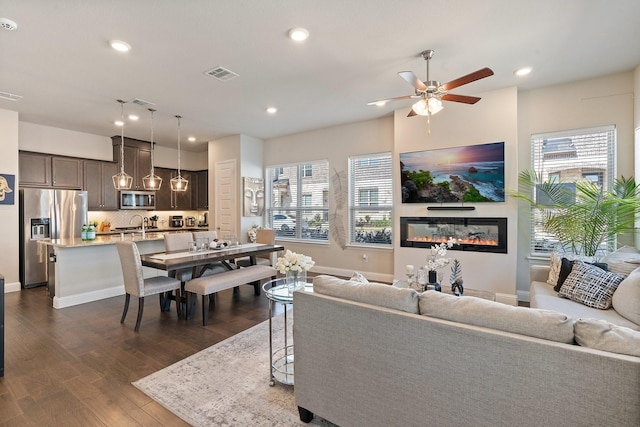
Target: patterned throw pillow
point(590, 285)
point(567, 266)
point(359, 277)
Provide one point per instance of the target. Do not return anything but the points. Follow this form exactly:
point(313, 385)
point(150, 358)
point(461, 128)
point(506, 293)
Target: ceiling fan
point(431, 93)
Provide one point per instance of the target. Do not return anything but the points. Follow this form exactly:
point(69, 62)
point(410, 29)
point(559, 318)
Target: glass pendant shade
point(121, 180)
point(152, 182)
point(425, 107)
point(179, 183)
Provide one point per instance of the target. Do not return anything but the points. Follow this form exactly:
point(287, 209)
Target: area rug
point(227, 384)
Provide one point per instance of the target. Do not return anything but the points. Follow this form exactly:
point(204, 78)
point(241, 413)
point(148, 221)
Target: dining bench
point(207, 285)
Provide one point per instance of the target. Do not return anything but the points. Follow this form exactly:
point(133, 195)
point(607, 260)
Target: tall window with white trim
point(297, 206)
point(566, 157)
point(371, 199)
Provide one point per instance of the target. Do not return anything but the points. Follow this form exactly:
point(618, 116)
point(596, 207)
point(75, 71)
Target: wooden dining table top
point(175, 260)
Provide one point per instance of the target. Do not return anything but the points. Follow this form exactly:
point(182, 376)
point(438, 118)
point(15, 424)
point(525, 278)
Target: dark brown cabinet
point(44, 170)
point(200, 190)
point(99, 185)
point(137, 159)
point(167, 200)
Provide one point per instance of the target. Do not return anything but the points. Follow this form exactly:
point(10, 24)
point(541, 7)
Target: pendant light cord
point(121, 136)
point(179, 117)
point(152, 143)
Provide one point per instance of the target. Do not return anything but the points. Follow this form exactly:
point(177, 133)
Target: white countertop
point(106, 239)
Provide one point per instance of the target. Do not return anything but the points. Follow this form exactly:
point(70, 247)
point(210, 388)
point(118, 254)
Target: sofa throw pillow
point(554, 268)
point(565, 269)
point(533, 322)
point(590, 286)
point(403, 299)
point(626, 298)
point(622, 260)
point(359, 277)
point(602, 335)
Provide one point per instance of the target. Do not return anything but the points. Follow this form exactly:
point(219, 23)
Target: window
point(370, 199)
point(297, 206)
point(566, 157)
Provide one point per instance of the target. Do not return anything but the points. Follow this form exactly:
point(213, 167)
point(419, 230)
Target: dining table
point(172, 261)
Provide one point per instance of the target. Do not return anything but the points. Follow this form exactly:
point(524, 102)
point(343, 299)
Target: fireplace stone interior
point(470, 234)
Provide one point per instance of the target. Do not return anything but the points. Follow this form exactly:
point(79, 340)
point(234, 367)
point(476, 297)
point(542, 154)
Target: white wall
point(63, 142)
point(336, 144)
point(9, 264)
point(604, 101)
point(493, 119)
point(251, 155)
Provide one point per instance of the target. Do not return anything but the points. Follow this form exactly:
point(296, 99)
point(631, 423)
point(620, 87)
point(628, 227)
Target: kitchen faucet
point(141, 222)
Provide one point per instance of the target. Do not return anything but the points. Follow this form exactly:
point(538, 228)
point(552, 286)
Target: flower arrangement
point(253, 232)
point(436, 259)
point(294, 263)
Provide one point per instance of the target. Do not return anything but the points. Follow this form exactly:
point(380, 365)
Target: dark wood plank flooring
point(74, 366)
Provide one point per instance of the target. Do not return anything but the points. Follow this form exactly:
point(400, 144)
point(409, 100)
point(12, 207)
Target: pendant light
point(179, 183)
point(152, 181)
point(122, 181)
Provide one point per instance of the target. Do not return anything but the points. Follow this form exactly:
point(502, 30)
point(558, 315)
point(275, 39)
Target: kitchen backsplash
point(127, 218)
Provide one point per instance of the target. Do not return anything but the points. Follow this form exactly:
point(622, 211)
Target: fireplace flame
point(467, 241)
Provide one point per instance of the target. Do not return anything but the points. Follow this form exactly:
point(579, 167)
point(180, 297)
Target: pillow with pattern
point(567, 266)
point(590, 285)
point(554, 268)
point(359, 277)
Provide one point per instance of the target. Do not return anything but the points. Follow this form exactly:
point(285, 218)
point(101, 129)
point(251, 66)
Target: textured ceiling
point(59, 60)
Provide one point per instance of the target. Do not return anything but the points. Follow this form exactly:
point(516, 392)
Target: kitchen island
point(83, 271)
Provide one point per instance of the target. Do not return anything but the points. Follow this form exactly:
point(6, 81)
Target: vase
point(295, 281)
point(433, 277)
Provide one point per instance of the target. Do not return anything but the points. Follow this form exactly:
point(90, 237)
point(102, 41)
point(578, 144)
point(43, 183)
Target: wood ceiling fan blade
point(472, 77)
point(412, 80)
point(412, 113)
point(460, 98)
point(397, 98)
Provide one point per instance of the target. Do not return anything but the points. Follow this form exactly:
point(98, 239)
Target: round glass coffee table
point(281, 358)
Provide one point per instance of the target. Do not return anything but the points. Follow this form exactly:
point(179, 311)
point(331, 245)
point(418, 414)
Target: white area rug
point(227, 384)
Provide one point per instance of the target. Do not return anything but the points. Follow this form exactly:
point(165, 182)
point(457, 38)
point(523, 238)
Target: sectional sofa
point(375, 355)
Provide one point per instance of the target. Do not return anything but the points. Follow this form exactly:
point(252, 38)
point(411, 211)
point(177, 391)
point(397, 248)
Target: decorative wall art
point(7, 189)
point(473, 173)
point(253, 196)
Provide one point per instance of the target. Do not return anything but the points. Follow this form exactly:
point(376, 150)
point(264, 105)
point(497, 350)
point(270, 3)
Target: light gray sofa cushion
point(622, 261)
point(626, 299)
point(545, 324)
point(404, 299)
point(602, 335)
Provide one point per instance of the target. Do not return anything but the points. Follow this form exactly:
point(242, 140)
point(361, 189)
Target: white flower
point(433, 262)
point(253, 232)
point(294, 262)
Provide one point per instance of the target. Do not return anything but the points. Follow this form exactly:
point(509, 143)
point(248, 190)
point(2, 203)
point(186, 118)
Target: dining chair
point(135, 283)
point(266, 236)
point(215, 267)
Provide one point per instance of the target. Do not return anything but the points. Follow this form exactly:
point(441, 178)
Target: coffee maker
point(176, 221)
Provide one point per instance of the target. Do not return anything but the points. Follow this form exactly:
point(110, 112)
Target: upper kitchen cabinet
point(167, 200)
point(200, 190)
point(137, 159)
point(45, 170)
point(99, 185)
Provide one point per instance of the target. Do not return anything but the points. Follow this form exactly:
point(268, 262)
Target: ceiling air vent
point(10, 96)
point(141, 102)
point(221, 74)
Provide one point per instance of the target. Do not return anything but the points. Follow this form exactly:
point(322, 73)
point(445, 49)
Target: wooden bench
point(208, 285)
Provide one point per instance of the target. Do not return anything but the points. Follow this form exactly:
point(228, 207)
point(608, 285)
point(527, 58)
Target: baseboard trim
point(12, 287)
point(523, 296)
point(507, 299)
point(63, 302)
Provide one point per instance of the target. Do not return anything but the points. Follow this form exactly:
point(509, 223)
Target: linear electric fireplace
point(471, 234)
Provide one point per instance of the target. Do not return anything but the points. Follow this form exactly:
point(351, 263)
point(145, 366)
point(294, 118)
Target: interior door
point(226, 196)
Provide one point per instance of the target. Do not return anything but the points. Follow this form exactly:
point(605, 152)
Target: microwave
point(137, 200)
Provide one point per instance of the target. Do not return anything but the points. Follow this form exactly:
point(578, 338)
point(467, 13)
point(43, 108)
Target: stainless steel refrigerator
point(46, 214)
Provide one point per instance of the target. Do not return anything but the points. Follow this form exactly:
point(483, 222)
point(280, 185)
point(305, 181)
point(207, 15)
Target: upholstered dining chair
point(216, 267)
point(135, 283)
point(266, 236)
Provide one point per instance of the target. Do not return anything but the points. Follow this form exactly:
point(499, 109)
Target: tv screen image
point(469, 174)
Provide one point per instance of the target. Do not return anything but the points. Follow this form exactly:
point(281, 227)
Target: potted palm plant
point(581, 215)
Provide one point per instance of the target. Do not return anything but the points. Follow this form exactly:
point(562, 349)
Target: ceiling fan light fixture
point(426, 107)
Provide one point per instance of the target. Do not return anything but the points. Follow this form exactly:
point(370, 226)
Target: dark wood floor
point(74, 366)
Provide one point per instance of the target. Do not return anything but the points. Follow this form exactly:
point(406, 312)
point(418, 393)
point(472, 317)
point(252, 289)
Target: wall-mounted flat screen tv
point(469, 174)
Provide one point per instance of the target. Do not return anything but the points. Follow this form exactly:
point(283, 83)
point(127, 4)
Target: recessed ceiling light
point(298, 34)
point(523, 71)
point(118, 123)
point(8, 24)
point(133, 117)
point(120, 46)
point(192, 139)
point(272, 110)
